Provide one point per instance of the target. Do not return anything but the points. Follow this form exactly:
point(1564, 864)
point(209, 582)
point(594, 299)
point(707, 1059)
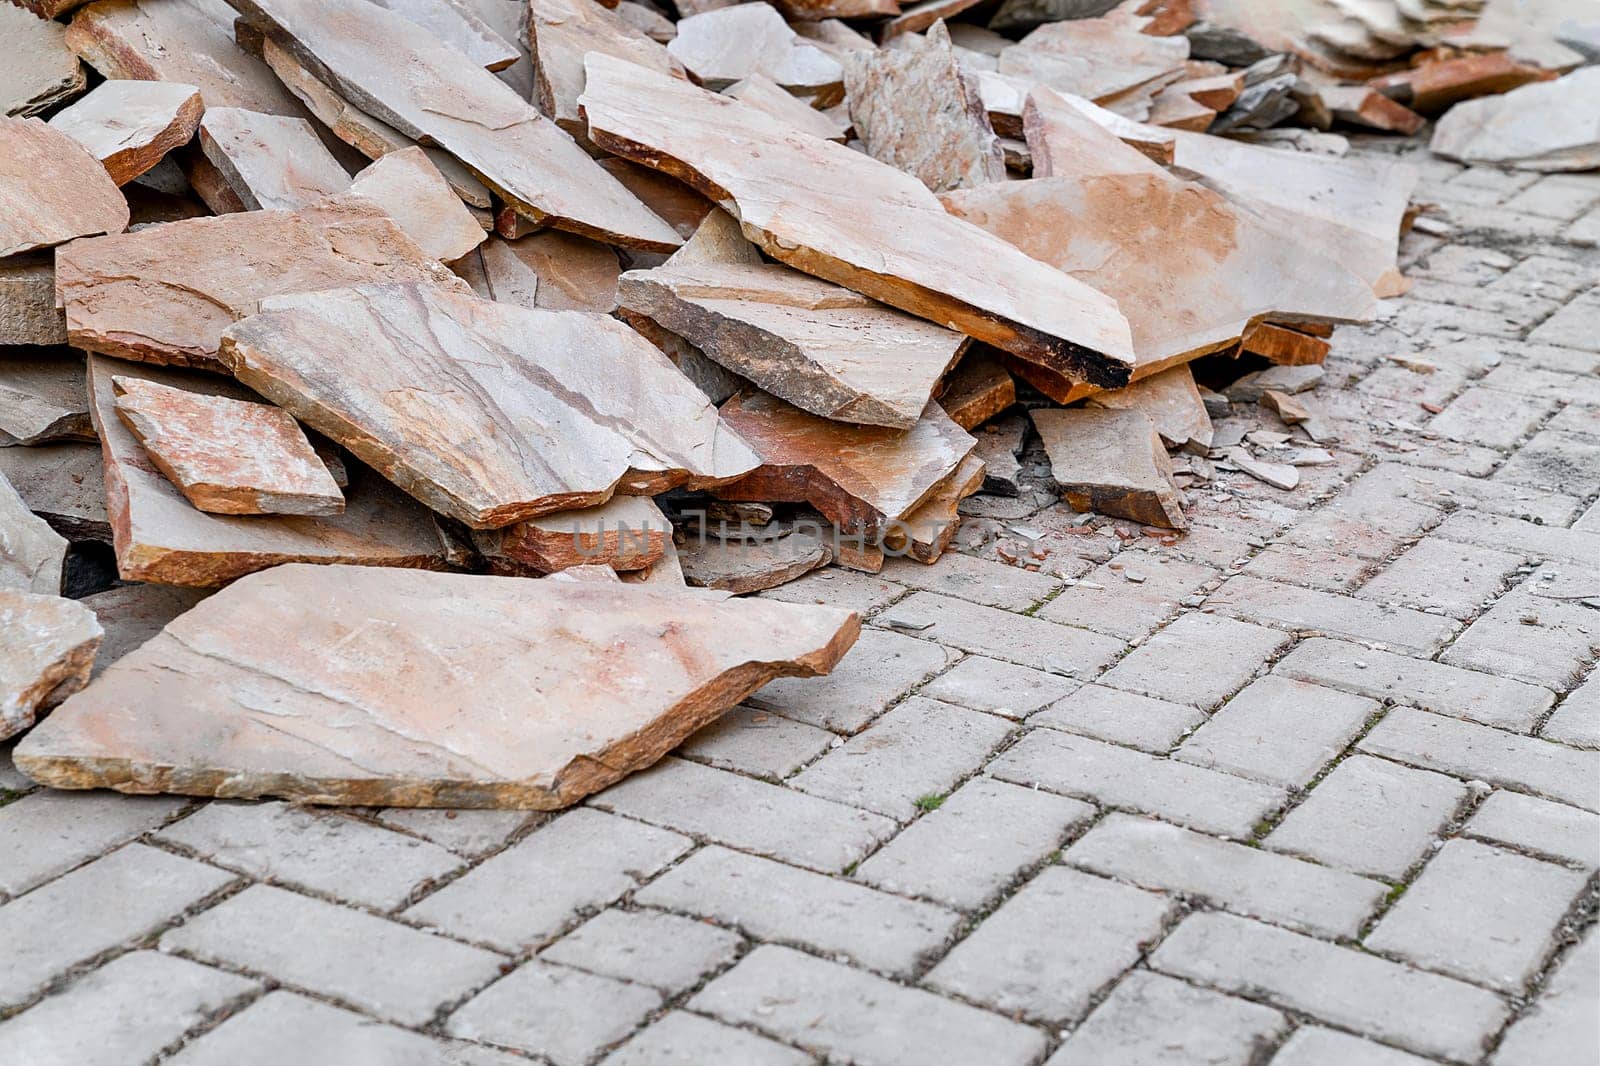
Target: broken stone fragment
point(1282, 345)
point(28, 311)
point(1285, 379)
point(40, 71)
point(506, 413)
point(130, 126)
point(1278, 475)
point(132, 614)
point(227, 456)
point(460, 28)
point(445, 690)
point(42, 399)
point(726, 45)
point(762, 92)
point(718, 239)
point(1096, 58)
point(681, 206)
point(1362, 105)
point(410, 190)
point(1549, 126)
point(48, 650)
point(927, 530)
point(817, 10)
point(64, 484)
point(271, 162)
point(916, 17)
point(1172, 403)
point(977, 390)
point(560, 32)
point(1111, 462)
point(624, 533)
point(745, 566)
point(51, 189)
point(31, 553)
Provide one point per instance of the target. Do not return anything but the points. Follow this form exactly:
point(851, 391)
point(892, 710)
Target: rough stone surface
point(1111, 462)
point(48, 652)
point(1547, 126)
point(130, 126)
point(42, 399)
point(28, 312)
point(271, 162)
point(412, 191)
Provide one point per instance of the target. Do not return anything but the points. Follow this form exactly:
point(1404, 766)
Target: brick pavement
point(1316, 784)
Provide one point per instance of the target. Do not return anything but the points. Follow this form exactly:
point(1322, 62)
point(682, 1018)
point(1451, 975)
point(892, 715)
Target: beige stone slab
point(64, 484)
point(1111, 462)
point(1096, 58)
point(460, 28)
point(505, 17)
point(160, 536)
point(927, 531)
point(824, 348)
point(1430, 88)
point(130, 126)
point(1548, 126)
point(1048, 121)
point(164, 294)
point(39, 71)
point(501, 413)
point(46, 656)
point(42, 398)
point(445, 690)
point(845, 217)
point(132, 614)
point(410, 190)
point(271, 162)
point(745, 566)
point(28, 311)
point(624, 533)
point(399, 73)
point(913, 109)
point(561, 32)
point(859, 477)
point(51, 189)
point(1172, 403)
point(762, 92)
point(552, 271)
point(31, 553)
point(977, 390)
point(729, 44)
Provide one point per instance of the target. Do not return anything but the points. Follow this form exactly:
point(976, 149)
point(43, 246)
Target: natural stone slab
point(457, 26)
point(227, 456)
point(624, 533)
point(358, 48)
point(1171, 401)
point(553, 271)
point(1549, 126)
point(846, 217)
point(823, 348)
point(1046, 119)
point(762, 92)
point(1095, 58)
point(132, 614)
point(51, 189)
point(744, 566)
point(42, 399)
point(413, 192)
point(160, 536)
point(49, 647)
point(130, 126)
point(561, 32)
point(507, 413)
point(271, 162)
point(165, 293)
point(40, 70)
point(976, 391)
point(28, 312)
point(508, 711)
point(31, 553)
point(1112, 462)
point(64, 484)
point(723, 46)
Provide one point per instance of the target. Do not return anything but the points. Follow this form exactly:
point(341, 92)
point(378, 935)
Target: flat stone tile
point(1560, 1025)
point(1439, 575)
point(1272, 603)
point(1002, 688)
point(663, 951)
point(1314, 1046)
point(1524, 822)
point(989, 582)
point(46, 833)
point(1150, 1020)
point(1531, 638)
point(759, 743)
point(1200, 659)
point(1129, 596)
point(681, 1039)
point(468, 832)
point(881, 668)
point(1279, 731)
point(1142, 722)
point(1000, 634)
point(563, 1015)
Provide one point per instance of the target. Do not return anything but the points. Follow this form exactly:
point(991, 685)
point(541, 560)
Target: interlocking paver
point(1513, 534)
point(1560, 1026)
point(1443, 576)
point(681, 1039)
point(470, 833)
point(1292, 607)
point(1314, 1046)
point(880, 669)
point(1150, 1020)
point(1279, 731)
point(1129, 596)
point(1491, 417)
point(1142, 722)
point(663, 951)
point(1524, 822)
point(984, 581)
point(1001, 688)
point(1002, 635)
point(1577, 720)
point(46, 833)
point(560, 1014)
point(1200, 659)
point(1530, 638)
point(850, 589)
point(760, 743)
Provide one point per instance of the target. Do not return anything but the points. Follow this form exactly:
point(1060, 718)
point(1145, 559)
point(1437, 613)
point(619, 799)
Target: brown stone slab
point(411, 191)
point(1111, 462)
point(28, 311)
point(64, 484)
point(164, 294)
point(132, 614)
point(1551, 126)
point(1432, 87)
point(130, 126)
point(447, 690)
point(624, 533)
point(31, 553)
point(1172, 403)
point(502, 413)
point(400, 74)
point(926, 532)
point(745, 566)
point(1362, 105)
point(51, 189)
point(271, 162)
point(46, 656)
point(560, 32)
point(859, 477)
point(913, 109)
point(824, 348)
point(552, 271)
point(729, 44)
point(161, 536)
point(460, 28)
point(1096, 58)
point(1284, 346)
point(845, 217)
point(1049, 122)
point(227, 456)
point(39, 71)
point(977, 390)
point(762, 92)
point(43, 399)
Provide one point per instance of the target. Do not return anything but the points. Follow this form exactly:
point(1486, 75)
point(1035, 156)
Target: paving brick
point(1530, 638)
point(1523, 822)
point(880, 669)
point(1001, 688)
point(1466, 264)
point(771, 901)
point(919, 748)
point(1137, 591)
point(1234, 877)
point(760, 743)
point(1002, 635)
point(1142, 722)
point(1120, 777)
point(563, 1015)
point(1448, 690)
point(1278, 730)
point(46, 833)
point(1510, 534)
point(284, 1027)
point(751, 815)
point(1418, 1011)
point(1579, 419)
point(525, 895)
point(1316, 568)
point(1150, 1020)
point(1491, 417)
point(128, 894)
point(1545, 275)
point(1314, 1046)
point(1567, 376)
point(1200, 660)
point(1519, 308)
point(391, 970)
point(683, 1039)
point(466, 832)
point(1370, 816)
point(126, 1011)
point(1577, 720)
point(1560, 1025)
point(1557, 461)
point(982, 836)
point(967, 577)
point(1373, 528)
point(836, 587)
point(1311, 610)
point(1052, 946)
point(1454, 917)
point(852, 1016)
point(1576, 325)
point(1419, 319)
point(663, 951)
point(1440, 488)
point(1474, 751)
point(1563, 196)
point(1441, 576)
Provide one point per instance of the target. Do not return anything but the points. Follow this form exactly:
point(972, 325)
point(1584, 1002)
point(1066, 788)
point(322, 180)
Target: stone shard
point(762, 92)
point(411, 191)
point(271, 162)
point(976, 391)
point(726, 45)
point(28, 311)
point(31, 553)
point(164, 294)
point(445, 690)
point(1282, 345)
point(1096, 58)
point(1432, 87)
point(850, 219)
point(130, 126)
point(487, 412)
point(1111, 462)
point(459, 27)
point(552, 271)
point(926, 532)
point(400, 74)
point(1048, 120)
point(745, 566)
point(51, 189)
point(560, 32)
point(624, 533)
point(64, 484)
point(824, 348)
point(159, 536)
point(718, 239)
point(1172, 403)
point(40, 71)
point(1548, 126)
point(1278, 475)
point(42, 399)
point(132, 614)
point(227, 456)
point(48, 650)
point(1026, 14)
point(860, 477)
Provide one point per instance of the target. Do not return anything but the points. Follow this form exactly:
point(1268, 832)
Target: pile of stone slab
point(399, 398)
